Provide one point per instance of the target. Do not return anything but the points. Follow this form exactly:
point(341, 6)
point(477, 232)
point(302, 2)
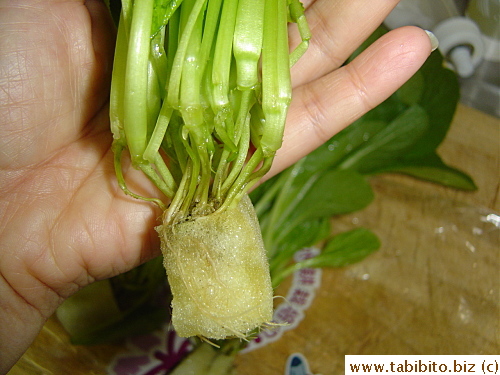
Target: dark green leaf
point(344, 249)
point(439, 99)
point(334, 192)
point(412, 91)
point(399, 135)
point(389, 143)
point(331, 153)
point(305, 234)
point(118, 307)
point(140, 322)
point(433, 169)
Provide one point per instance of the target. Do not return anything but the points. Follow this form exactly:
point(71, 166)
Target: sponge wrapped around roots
point(219, 273)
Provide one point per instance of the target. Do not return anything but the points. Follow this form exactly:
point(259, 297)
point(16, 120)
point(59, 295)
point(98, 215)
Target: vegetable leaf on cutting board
point(401, 135)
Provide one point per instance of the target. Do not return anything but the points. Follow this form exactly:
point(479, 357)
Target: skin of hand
point(64, 222)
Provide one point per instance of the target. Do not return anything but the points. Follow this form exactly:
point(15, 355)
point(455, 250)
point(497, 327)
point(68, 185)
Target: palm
point(63, 220)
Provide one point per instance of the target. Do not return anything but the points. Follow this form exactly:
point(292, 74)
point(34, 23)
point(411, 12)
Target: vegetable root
point(219, 273)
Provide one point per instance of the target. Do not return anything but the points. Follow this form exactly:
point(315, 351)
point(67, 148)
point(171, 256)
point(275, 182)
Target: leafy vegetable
point(435, 91)
point(400, 135)
point(342, 250)
point(199, 97)
point(295, 207)
point(307, 198)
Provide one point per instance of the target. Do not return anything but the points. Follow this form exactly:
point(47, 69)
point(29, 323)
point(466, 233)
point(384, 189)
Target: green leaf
point(140, 322)
point(433, 169)
point(306, 234)
point(91, 307)
point(345, 249)
point(163, 10)
point(118, 307)
point(399, 135)
point(389, 143)
point(342, 250)
point(295, 182)
point(332, 193)
point(345, 143)
point(335, 192)
point(444, 175)
point(412, 91)
point(439, 99)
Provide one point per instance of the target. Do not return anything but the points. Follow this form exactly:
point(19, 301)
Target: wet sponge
point(218, 272)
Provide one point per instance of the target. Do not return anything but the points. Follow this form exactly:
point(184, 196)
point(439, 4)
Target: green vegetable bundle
point(199, 96)
point(295, 208)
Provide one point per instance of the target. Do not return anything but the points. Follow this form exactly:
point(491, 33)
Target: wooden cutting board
point(433, 288)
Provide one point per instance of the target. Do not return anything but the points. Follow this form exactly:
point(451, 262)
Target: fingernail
point(434, 40)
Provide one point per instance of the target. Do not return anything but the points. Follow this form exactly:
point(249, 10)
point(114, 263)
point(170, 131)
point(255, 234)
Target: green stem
point(223, 55)
point(172, 45)
point(248, 35)
point(165, 174)
point(116, 108)
point(236, 190)
point(261, 172)
point(221, 174)
point(118, 146)
point(297, 15)
point(276, 81)
point(269, 195)
point(209, 30)
point(180, 55)
point(136, 80)
point(158, 133)
point(281, 273)
point(179, 197)
point(242, 136)
point(193, 180)
point(278, 275)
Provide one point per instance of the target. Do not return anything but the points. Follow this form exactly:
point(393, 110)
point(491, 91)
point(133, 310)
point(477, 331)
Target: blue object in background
point(296, 364)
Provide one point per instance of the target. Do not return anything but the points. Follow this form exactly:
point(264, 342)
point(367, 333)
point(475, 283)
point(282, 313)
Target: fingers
point(337, 28)
point(326, 105)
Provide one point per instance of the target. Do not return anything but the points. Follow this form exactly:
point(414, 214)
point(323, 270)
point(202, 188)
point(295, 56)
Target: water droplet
point(477, 231)
point(332, 146)
point(470, 246)
point(464, 311)
point(439, 230)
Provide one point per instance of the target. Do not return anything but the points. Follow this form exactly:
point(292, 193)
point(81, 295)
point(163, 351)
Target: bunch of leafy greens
point(295, 207)
point(199, 94)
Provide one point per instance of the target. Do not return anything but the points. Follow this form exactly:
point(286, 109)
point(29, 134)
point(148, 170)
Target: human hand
point(64, 222)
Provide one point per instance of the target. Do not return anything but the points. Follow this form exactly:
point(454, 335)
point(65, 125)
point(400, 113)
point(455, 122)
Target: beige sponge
point(219, 274)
